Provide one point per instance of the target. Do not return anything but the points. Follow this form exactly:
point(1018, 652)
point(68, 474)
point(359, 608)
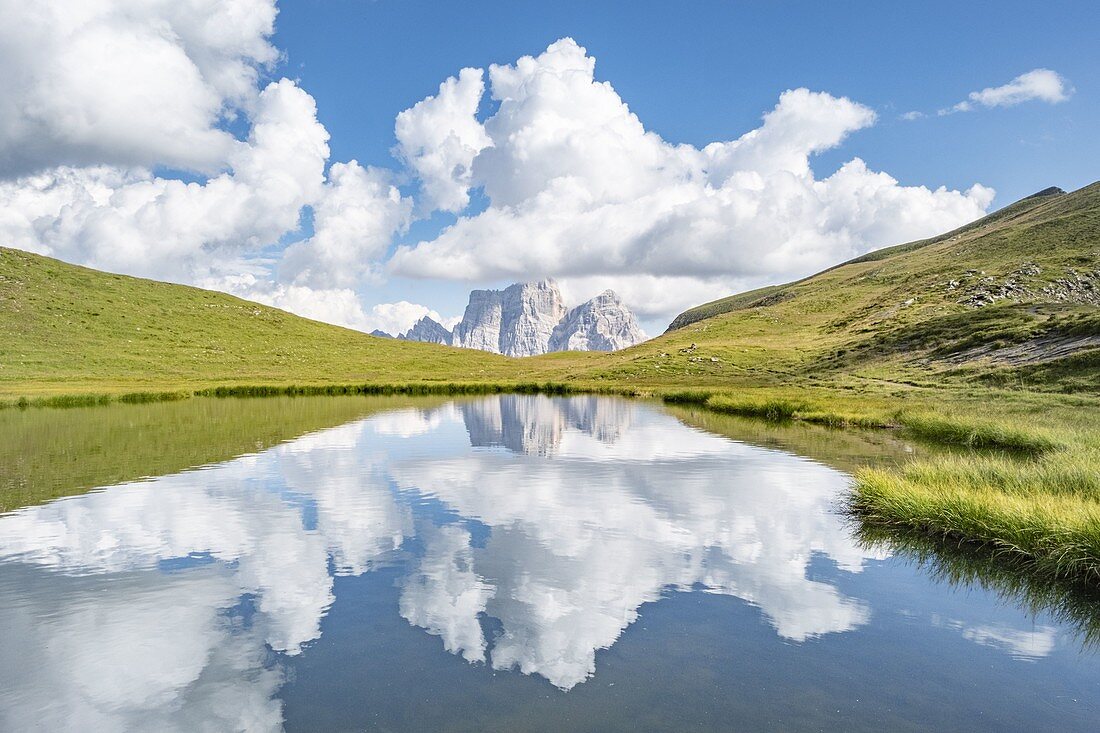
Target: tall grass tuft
point(76, 400)
point(1042, 511)
point(687, 397)
point(976, 434)
point(776, 409)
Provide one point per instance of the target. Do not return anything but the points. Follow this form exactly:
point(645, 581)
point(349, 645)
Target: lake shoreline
point(1010, 492)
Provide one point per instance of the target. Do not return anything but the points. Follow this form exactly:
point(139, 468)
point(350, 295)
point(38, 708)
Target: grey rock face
point(516, 321)
point(428, 330)
point(601, 324)
point(480, 324)
point(529, 313)
point(380, 334)
point(526, 319)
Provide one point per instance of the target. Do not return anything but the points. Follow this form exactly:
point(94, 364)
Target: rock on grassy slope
point(1009, 300)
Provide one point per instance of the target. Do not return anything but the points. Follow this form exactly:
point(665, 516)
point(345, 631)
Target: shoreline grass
point(776, 408)
point(977, 433)
point(291, 390)
point(1042, 512)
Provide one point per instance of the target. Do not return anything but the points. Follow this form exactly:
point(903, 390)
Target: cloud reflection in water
point(157, 604)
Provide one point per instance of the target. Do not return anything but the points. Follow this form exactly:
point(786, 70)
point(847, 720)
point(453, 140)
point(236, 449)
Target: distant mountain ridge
point(527, 319)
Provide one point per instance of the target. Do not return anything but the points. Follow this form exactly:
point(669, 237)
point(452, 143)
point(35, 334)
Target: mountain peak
point(428, 329)
point(600, 324)
point(529, 318)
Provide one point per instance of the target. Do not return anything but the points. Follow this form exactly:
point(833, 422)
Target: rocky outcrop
point(976, 289)
point(526, 319)
point(428, 330)
point(530, 313)
point(380, 334)
point(516, 321)
point(601, 324)
point(480, 324)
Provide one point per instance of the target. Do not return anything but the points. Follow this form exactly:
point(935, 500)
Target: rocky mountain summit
point(600, 324)
point(516, 321)
point(428, 330)
point(526, 319)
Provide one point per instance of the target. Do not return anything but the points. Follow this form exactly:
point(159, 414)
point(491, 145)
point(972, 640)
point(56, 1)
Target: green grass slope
point(754, 298)
point(1010, 300)
point(68, 329)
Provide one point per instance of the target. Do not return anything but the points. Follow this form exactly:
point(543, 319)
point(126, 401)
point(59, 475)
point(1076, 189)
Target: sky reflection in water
point(524, 532)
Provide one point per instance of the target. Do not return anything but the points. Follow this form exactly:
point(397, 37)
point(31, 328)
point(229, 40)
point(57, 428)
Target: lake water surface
point(503, 563)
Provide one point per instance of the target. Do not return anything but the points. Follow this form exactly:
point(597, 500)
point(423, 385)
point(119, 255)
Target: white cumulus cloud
point(339, 306)
point(1041, 85)
point(100, 98)
point(354, 223)
point(101, 93)
point(439, 137)
point(578, 189)
point(129, 220)
point(127, 82)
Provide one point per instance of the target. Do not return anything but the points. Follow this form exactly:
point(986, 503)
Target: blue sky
point(699, 72)
point(667, 226)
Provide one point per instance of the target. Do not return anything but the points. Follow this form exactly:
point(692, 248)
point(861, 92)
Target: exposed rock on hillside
point(601, 324)
point(1024, 284)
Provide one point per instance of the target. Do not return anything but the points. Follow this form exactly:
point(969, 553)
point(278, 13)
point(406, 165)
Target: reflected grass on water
point(963, 565)
point(47, 454)
point(846, 450)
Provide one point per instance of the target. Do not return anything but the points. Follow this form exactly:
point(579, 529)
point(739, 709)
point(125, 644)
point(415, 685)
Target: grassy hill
point(65, 328)
point(752, 297)
point(1009, 300)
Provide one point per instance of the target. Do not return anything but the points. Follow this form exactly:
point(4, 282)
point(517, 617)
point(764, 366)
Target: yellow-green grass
point(66, 329)
point(45, 454)
point(1042, 512)
point(978, 433)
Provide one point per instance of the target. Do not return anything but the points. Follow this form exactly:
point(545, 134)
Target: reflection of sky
point(154, 605)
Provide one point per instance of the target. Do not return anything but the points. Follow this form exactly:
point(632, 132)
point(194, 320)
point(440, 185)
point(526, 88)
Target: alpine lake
point(499, 563)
